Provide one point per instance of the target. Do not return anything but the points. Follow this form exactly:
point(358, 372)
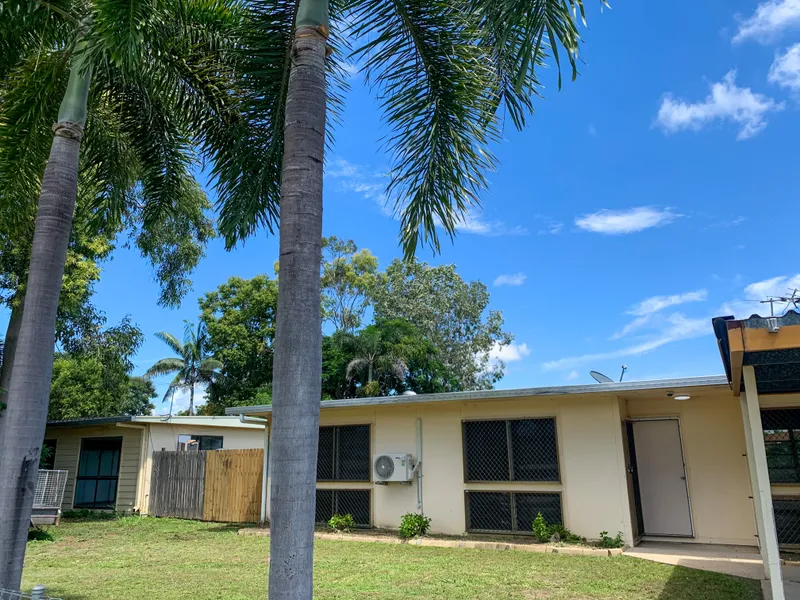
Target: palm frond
point(437, 92)
point(210, 366)
point(355, 366)
point(520, 35)
point(165, 366)
point(171, 341)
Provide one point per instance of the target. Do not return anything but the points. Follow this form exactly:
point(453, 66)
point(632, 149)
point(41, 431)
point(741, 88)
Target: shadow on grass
point(693, 584)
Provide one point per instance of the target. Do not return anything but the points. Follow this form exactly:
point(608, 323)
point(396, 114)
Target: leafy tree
point(92, 377)
point(451, 314)
point(129, 88)
point(349, 276)
point(239, 317)
point(386, 358)
point(193, 366)
point(443, 69)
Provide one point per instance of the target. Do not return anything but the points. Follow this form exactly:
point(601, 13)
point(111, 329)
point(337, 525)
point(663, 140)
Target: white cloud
point(750, 303)
point(352, 71)
point(515, 279)
point(785, 70)
point(676, 327)
point(550, 226)
point(644, 310)
point(360, 179)
point(181, 401)
point(726, 102)
point(617, 222)
point(571, 376)
point(770, 19)
point(656, 303)
point(510, 353)
point(473, 222)
point(727, 224)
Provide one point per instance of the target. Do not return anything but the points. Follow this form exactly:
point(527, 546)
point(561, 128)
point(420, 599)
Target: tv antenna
point(600, 378)
point(793, 300)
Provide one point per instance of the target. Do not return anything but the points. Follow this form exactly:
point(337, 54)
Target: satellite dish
point(600, 378)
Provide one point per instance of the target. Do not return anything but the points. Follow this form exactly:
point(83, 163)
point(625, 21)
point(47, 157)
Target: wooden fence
point(214, 485)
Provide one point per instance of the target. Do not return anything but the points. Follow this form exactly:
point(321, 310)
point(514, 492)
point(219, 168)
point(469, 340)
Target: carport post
point(762, 494)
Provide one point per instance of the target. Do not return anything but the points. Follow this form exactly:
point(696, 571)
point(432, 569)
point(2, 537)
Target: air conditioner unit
point(392, 467)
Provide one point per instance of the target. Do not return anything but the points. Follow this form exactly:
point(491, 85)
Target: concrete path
point(741, 561)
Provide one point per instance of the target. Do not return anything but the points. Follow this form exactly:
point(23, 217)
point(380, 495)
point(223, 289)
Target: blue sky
point(653, 193)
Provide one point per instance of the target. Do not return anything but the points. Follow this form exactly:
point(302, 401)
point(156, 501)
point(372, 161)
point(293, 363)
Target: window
point(48, 458)
point(512, 512)
point(98, 473)
point(787, 519)
point(344, 453)
point(781, 438)
point(199, 442)
point(343, 502)
point(513, 450)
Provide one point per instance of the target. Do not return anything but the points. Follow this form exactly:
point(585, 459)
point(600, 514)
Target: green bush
point(608, 542)
point(541, 529)
point(342, 522)
point(545, 532)
point(37, 534)
point(413, 524)
point(84, 514)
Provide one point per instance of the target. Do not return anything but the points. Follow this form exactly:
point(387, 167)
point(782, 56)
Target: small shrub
point(84, 514)
point(413, 524)
point(541, 529)
point(556, 532)
point(607, 541)
point(342, 522)
point(37, 534)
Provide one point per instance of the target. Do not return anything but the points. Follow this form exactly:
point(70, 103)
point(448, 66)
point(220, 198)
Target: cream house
point(711, 460)
point(109, 460)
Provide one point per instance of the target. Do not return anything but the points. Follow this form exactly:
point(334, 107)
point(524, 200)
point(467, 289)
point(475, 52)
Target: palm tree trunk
point(26, 415)
point(191, 399)
point(297, 369)
point(10, 349)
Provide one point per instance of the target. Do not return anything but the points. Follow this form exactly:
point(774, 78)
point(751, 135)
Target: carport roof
point(771, 345)
point(596, 388)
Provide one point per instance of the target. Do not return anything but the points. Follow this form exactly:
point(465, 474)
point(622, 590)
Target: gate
point(178, 484)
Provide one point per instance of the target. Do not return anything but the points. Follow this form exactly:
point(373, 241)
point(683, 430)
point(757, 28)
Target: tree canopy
point(239, 318)
point(349, 277)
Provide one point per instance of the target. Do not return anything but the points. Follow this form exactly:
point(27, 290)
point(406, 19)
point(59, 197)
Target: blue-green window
point(98, 473)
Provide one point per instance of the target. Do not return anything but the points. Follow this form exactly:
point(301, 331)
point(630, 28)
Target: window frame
point(510, 450)
point(336, 460)
point(335, 503)
point(512, 508)
point(54, 443)
point(793, 442)
point(96, 478)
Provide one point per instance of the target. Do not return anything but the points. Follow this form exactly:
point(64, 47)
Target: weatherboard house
point(711, 460)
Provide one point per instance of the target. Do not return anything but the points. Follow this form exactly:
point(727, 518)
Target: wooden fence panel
point(233, 486)
point(177, 486)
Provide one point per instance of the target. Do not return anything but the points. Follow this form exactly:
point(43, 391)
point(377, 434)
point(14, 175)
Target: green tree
point(443, 69)
point(239, 317)
point(349, 276)
point(92, 377)
point(127, 87)
point(451, 314)
point(385, 358)
point(193, 366)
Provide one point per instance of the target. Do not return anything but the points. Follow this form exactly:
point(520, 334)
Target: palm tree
point(192, 366)
point(126, 77)
point(373, 357)
point(443, 70)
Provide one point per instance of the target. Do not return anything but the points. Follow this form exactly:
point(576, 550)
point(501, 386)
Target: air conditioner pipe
point(418, 467)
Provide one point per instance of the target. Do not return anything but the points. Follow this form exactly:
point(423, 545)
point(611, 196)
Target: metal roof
point(596, 388)
point(198, 421)
point(89, 421)
point(777, 365)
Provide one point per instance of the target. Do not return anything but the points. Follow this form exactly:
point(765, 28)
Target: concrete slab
point(741, 561)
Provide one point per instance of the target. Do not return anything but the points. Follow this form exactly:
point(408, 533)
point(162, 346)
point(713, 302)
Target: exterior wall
point(68, 447)
point(716, 465)
point(590, 446)
point(164, 436)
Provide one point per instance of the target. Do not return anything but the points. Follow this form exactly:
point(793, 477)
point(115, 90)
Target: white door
point(662, 478)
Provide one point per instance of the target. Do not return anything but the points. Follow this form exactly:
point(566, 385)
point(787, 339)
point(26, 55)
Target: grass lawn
point(169, 559)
